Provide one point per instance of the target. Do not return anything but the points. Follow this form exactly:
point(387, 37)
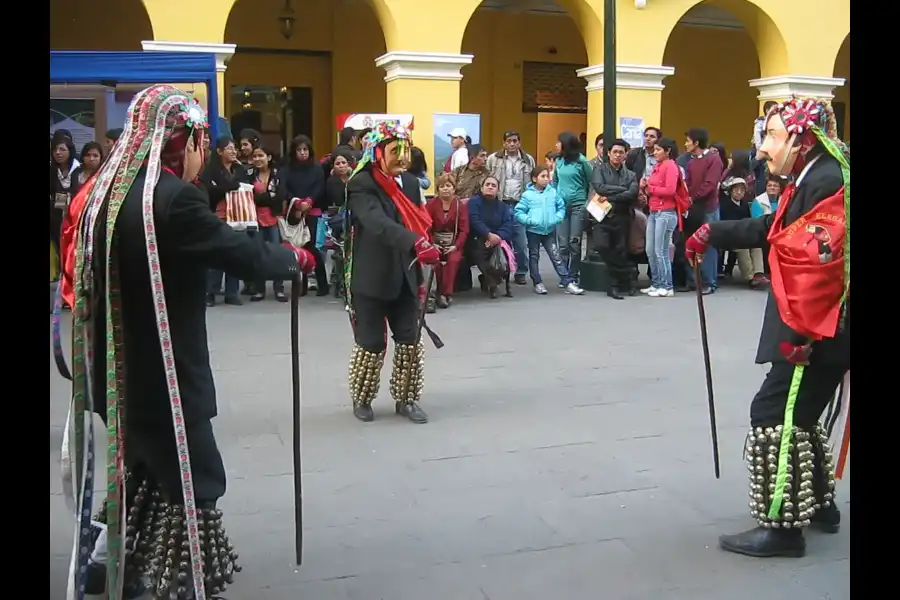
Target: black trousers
point(611, 244)
point(401, 314)
point(151, 452)
point(817, 388)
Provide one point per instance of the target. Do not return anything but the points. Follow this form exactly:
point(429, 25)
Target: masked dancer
point(385, 251)
point(806, 329)
point(143, 239)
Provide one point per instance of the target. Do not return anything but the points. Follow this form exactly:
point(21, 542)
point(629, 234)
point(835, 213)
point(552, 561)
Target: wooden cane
point(706, 363)
point(296, 285)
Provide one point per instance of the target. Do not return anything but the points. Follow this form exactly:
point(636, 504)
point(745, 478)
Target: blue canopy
point(139, 67)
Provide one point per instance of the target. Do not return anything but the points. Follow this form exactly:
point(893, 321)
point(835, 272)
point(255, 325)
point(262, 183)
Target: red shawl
point(70, 224)
point(807, 263)
point(415, 217)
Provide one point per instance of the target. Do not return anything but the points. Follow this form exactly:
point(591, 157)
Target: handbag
point(445, 239)
point(297, 235)
point(240, 208)
point(497, 261)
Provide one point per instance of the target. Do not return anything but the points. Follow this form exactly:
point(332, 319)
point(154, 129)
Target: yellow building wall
point(709, 88)
point(98, 25)
point(492, 84)
point(345, 81)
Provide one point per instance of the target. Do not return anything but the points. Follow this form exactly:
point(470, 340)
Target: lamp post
point(609, 72)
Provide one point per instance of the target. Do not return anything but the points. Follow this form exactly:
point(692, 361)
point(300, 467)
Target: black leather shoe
point(411, 412)
point(364, 413)
point(235, 301)
point(94, 579)
point(257, 297)
point(765, 543)
point(827, 520)
point(520, 280)
point(210, 300)
point(614, 294)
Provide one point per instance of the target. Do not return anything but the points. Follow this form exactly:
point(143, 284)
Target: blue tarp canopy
point(111, 68)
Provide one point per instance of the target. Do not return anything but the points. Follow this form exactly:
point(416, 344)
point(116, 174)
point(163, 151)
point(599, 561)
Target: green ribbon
point(783, 449)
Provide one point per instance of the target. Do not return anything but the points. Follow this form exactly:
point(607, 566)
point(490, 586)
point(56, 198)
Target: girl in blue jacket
point(540, 210)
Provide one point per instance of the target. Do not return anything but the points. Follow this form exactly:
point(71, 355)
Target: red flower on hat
point(800, 115)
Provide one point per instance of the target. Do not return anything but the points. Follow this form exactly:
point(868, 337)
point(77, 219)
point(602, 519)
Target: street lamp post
point(609, 72)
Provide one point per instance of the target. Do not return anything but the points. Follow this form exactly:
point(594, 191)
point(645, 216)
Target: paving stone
point(567, 456)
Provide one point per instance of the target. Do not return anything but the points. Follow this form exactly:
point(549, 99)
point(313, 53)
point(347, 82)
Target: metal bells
point(170, 568)
point(364, 375)
point(407, 374)
point(806, 463)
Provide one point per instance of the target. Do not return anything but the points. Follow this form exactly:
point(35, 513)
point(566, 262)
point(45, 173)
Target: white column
point(628, 77)
point(781, 87)
point(223, 52)
point(434, 66)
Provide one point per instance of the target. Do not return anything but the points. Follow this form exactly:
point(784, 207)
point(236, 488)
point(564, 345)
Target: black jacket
point(620, 187)
point(218, 181)
point(270, 198)
point(382, 246)
point(191, 239)
point(822, 181)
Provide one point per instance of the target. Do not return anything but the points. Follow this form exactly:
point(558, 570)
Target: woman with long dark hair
point(572, 180)
point(91, 158)
point(418, 166)
point(223, 174)
point(263, 176)
point(661, 189)
point(62, 167)
point(301, 187)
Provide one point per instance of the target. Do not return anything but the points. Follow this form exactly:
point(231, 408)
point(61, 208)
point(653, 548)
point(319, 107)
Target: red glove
point(426, 252)
point(796, 355)
point(697, 244)
point(305, 259)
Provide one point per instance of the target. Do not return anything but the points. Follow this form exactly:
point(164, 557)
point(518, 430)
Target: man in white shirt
point(460, 154)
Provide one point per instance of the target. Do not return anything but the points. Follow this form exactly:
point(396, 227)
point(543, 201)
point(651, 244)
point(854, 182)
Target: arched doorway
point(286, 86)
point(88, 111)
point(523, 75)
point(715, 53)
point(98, 25)
point(841, 102)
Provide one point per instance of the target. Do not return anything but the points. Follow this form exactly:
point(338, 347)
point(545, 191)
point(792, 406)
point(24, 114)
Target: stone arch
point(316, 74)
point(716, 47)
point(841, 100)
point(494, 84)
point(99, 25)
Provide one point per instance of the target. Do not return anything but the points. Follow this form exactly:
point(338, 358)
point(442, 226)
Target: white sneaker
point(649, 290)
point(540, 289)
point(661, 293)
point(574, 290)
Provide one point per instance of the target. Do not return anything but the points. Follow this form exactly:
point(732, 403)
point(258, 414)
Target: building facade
point(534, 66)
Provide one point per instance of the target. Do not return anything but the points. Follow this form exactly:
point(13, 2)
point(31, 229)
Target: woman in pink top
point(660, 189)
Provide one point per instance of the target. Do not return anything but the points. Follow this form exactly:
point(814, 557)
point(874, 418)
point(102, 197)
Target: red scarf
point(415, 217)
point(807, 263)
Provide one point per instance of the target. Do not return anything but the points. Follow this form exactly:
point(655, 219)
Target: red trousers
point(445, 273)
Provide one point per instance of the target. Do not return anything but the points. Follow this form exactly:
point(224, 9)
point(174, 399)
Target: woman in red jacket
point(450, 229)
point(661, 188)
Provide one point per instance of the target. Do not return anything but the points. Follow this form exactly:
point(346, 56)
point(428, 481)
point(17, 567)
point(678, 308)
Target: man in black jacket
point(385, 251)
point(806, 328)
point(614, 183)
point(147, 243)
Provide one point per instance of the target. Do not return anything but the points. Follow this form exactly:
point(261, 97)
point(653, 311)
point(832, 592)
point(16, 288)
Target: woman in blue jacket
point(540, 210)
point(490, 222)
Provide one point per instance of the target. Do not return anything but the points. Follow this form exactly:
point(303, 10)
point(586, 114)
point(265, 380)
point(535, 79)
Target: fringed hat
point(381, 134)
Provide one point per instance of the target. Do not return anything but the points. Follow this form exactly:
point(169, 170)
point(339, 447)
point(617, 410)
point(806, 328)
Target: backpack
point(682, 199)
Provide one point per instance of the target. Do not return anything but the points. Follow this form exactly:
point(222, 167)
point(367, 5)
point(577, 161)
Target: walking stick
point(296, 286)
point(709, 382)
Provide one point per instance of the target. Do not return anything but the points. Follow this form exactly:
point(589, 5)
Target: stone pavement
point(567, 456)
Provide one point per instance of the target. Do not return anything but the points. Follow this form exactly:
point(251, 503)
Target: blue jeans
point(710, 265)
point(551, 246)
point(568, 236)
point(660, 226)
point(269, 235)
point(214, 283)
point(520, 248)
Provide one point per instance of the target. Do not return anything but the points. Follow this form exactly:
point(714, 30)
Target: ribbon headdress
point(160, 121)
